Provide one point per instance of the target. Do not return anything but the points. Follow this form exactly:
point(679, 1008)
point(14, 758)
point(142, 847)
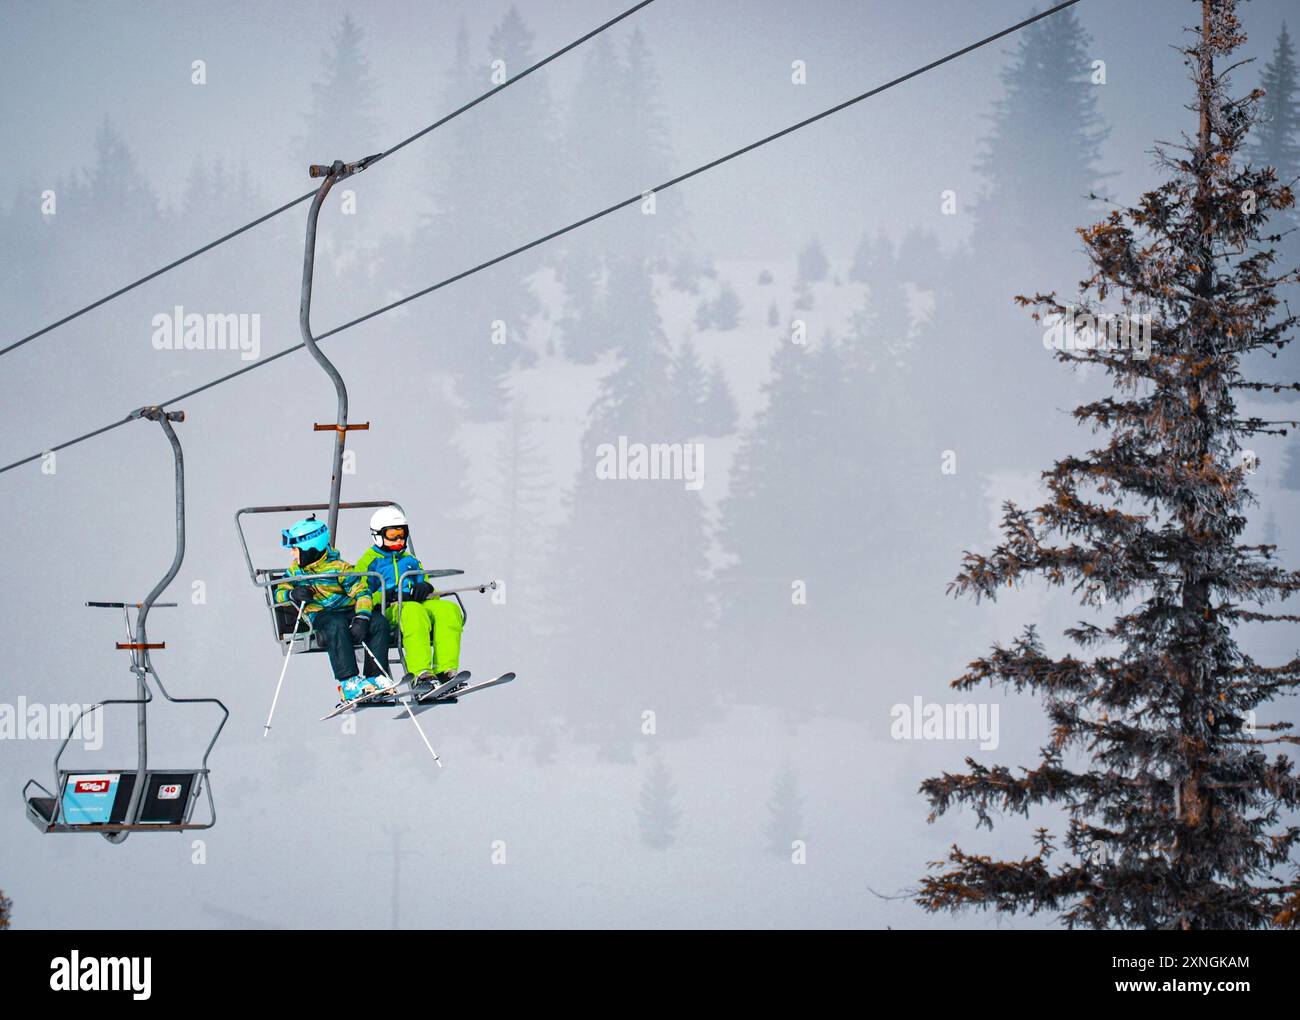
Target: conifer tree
point(720, 413)
point(116, 203)
point(1270, 529)
point(1275, 142)
point(689, 386)
point(1174, 803)
point(634, 549)
point(617, 140)
point(657, 814)
point(344, 122)
point(724, 315)
point(785, 813)
point(513, 535)
point(813, 265)
point(869, 256)
point(482, 209)
point(784, 523)
point(648, 155)
point(1291, 469)
point(1275, 137)
point(1045, 128)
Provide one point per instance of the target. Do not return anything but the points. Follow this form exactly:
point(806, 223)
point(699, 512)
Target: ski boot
point(351, 689)
point(375, 684)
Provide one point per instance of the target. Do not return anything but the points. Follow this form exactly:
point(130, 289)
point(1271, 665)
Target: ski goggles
point(396, 533)
point(292, 541)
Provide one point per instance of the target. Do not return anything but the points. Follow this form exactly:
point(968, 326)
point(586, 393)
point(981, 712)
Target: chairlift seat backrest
point(87, 800)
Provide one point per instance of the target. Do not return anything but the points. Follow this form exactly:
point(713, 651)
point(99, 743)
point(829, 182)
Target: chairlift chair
point(304, 639)
point(286, 625)
point(113, 802)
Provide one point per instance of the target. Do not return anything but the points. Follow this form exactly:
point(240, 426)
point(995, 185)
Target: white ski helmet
point(384, 518)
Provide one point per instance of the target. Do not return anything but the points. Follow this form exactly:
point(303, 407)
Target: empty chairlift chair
point(114, 802)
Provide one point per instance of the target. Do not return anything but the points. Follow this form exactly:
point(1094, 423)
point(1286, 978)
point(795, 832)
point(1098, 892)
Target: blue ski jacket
point(390, 566)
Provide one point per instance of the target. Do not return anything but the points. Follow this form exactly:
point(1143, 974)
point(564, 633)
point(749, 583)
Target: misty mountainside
point(712, 668)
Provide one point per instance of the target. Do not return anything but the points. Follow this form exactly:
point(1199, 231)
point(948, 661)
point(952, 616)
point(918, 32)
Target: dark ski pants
point(333, 625)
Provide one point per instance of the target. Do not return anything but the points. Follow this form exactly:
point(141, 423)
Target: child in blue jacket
point(431, 627)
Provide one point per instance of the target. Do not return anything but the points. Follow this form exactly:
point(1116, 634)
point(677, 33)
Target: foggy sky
point(302, 808)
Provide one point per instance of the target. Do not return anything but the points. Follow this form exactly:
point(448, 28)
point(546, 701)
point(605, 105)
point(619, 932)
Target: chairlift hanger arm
point(330, 175)
point(139, 645)
point(165, 419)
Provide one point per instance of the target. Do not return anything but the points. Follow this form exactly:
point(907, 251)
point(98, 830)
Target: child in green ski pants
point(431, 627)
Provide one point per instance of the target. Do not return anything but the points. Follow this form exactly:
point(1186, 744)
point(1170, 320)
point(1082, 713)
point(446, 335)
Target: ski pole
point(418, 728)
point(283, 670)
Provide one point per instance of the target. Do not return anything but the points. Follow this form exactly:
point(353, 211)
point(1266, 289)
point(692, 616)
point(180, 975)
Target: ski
point(347, 706)
point(454, 696)
point(438, 690)
point(392, 696)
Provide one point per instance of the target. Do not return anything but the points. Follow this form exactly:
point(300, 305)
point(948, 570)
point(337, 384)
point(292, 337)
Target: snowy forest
point(717, 719)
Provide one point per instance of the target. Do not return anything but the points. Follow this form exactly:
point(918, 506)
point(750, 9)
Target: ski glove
point(359, 627)
point(420, 591)
point(299, 595)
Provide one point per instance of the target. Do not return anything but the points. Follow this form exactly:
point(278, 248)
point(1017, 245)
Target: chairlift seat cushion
point(285, 615)
point(43, 806)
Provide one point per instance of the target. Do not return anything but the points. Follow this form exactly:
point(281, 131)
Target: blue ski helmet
point(309, 534)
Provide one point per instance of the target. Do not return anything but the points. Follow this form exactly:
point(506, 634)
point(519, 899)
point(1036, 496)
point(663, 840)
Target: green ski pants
point(430, 634)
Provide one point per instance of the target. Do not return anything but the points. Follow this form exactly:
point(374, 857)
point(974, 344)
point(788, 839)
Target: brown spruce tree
point(1177, 808)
